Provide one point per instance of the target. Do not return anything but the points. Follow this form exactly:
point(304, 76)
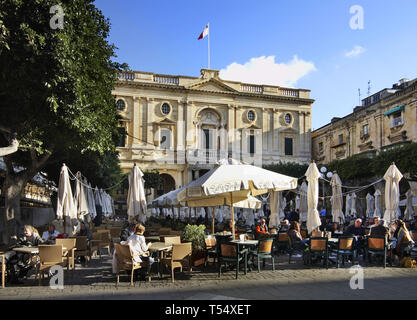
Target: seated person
point(85, 231)
point(262, 229)
point(334, 228)
point(284, 227)
point(127, 230)
point(139, 247)
point(18, 264)
point(295, 215)
point(403, 237)
point(358, 232)
point(378, 229)
point(51, 234)
point(229, 226)
point(296, 239)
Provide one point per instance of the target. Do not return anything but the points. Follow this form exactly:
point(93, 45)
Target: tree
point(291, 169)
point(55, 89)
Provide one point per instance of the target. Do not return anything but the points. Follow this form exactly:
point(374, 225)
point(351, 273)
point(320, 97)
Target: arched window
point(120, 105)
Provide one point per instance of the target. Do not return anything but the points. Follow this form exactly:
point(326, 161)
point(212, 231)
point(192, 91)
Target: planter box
point(198, 259)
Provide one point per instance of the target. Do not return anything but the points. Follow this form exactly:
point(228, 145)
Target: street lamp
point(329, 175)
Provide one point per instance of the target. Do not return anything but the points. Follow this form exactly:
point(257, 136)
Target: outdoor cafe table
point(161, 248)
point(244, 244)
point(152, 238)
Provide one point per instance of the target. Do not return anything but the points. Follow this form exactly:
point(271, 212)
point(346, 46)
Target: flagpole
point(208, 46)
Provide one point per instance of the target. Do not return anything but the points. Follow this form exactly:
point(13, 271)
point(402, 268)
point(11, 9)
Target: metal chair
point(378, 246)
point(230, 253)
point(318, 248)
point(210, 248)
point(345, 248)
point(264, 251)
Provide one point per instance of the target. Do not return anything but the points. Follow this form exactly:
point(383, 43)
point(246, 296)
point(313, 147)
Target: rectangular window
point(397, 119)
point(340, 138)
point(165, 142)
point(206, 139)
point(320, 146)
point(365, 130)
point(288, 147)
point(122, 137)
point(252, 144)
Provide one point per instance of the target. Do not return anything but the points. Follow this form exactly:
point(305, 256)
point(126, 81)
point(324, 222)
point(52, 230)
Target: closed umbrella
point(378, 209)
point(297, 202)
point(231, 183)
point(274, 204)
point(337, 199)
point(370, 205)
point(392, 193)
point(80, 196)
point(348, 205)
point(91, 202)
point(303, 202)
point(283, 204)
point(409, 210)
point(66, 205)
point(136, 200)
point(313, 218)
point(353, 212)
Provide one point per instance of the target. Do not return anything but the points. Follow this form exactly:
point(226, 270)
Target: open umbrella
point(303, 202)
point(378, 210)
point(228, 184)
point(353, 212)
point(66, 205)
point(313, 218)
point(370, 205)
point(337, 199)
point(409, 211)
point(136, 200)
point(392, 193)
point(80, 196)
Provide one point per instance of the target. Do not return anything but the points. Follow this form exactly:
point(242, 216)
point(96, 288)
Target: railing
point(289, 93)
point(251, 88)
point(125, 75)
point(166, 79)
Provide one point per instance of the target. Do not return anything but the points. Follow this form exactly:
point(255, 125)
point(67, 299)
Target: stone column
point(276, 143)
point(231, 148)
point(151, 110)
point(180, 132)
point(136, 122)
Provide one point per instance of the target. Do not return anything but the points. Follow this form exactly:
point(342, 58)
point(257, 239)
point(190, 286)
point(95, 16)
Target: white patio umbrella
point(378, 209)
point(136, 199)
point(370, 205)
point(392, 193)
point(303, 202)
point(353, 212)
point(231, 183)
point(80, 196)
point(313, 218)
point(337, 199)
point(409, 210)
point(348, 205)
point(283, 204)
point(66, 206)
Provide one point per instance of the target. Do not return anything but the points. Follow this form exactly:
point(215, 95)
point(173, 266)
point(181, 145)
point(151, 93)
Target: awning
point(394, 110)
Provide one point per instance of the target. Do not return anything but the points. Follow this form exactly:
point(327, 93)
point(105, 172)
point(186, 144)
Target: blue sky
point(310, 44)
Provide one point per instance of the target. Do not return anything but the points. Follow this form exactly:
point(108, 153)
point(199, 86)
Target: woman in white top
point(138, 245)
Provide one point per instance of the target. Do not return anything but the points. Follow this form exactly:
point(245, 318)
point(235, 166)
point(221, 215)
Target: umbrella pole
point(233, 215)
point(212, 220)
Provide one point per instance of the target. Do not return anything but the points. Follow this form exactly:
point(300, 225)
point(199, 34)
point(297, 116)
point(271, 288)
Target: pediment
point(211, 85)
point(165, 121)
point(288, 130)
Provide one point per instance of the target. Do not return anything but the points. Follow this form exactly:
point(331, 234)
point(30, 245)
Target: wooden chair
point(264, 251)
point(377, 246)
point(319, 248)
point(49, 256)
point(181, 254)
point(315, 234)
point(175, 233)
point(210, 248)
point(172, 240)
point(69, 244)
point(82, 248)
point(230, 253)
point(115, 232)
point(101, 240)
point(125, 261)
point(344, 249)
point(282, 242)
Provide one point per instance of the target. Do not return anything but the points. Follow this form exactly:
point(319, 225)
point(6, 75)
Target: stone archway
point(167, 184)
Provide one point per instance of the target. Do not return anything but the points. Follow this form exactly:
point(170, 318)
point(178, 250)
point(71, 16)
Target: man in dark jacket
point(127, 230)
point(379, 230)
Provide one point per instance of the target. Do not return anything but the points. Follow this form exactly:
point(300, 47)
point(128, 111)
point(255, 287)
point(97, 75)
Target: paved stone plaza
point(295, 281)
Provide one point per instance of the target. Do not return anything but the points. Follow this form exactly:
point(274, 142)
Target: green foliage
point(195, 234)
point(361, 167)
point(291, 169)
point(152, 179)
point(55, 86)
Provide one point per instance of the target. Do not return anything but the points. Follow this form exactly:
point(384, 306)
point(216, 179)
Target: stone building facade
point(386, 119)
point(182, 125)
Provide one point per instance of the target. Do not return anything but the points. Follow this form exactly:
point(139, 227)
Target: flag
point(204, 33)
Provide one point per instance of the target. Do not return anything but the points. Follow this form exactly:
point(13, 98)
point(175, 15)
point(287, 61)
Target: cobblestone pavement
point(295, 281)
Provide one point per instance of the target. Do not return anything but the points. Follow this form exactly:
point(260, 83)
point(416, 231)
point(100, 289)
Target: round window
point(287, 118)
point(251, 115)
point(166, 109)
point(120, 105)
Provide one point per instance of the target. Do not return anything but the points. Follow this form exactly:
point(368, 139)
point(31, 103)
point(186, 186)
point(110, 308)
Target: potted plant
point(195, 234)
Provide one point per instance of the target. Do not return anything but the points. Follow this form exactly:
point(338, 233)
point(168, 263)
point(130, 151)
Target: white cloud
point(356, 51)
point(264, 70)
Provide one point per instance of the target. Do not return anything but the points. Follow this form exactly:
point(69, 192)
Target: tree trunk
point(13, 187)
